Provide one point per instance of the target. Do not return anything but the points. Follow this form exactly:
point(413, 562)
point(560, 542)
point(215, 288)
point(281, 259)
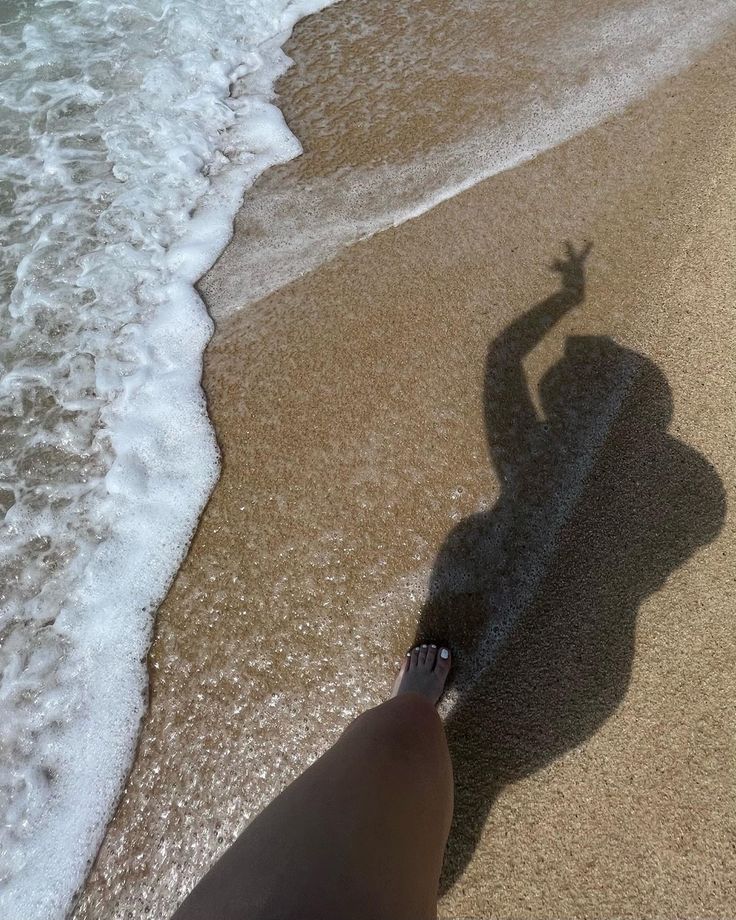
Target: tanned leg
point(360, 834)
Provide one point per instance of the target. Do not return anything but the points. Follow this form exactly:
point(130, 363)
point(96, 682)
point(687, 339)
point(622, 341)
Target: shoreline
point(349, 454)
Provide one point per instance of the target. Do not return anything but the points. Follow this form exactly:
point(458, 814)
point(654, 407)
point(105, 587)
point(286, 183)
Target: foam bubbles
point(131, 132)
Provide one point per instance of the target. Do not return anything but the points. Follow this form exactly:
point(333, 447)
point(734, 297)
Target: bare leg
point(361, 833)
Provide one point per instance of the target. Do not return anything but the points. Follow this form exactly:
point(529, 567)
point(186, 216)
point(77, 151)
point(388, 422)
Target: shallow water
point(460, 95)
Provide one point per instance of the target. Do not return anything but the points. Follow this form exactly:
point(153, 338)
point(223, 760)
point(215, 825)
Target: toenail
point(444, 653)
point(424, 646)
point(433, 646)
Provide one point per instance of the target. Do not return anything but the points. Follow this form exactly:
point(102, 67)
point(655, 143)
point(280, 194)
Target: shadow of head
point(649, 500)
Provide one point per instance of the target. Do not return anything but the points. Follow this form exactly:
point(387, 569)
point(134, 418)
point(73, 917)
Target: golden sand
point(349, 409)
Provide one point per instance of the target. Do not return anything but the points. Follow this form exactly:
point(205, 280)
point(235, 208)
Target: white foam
point(120, 123)
point(590, 67)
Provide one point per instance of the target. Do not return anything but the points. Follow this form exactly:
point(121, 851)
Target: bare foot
point(424, 671)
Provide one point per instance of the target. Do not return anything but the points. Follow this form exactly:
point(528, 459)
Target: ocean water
point(130, 132)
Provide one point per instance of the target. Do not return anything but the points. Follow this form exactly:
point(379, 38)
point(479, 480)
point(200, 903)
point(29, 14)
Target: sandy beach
point(594, 750)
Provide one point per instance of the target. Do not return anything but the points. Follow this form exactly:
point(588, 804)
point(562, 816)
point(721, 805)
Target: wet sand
point(349, 406)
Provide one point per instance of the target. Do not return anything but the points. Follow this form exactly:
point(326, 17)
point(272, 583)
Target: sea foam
point(131, 133)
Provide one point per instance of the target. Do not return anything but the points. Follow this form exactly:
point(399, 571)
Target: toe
point(431, 657)
point(423, 654)
point(414, 657)
point(444, 660)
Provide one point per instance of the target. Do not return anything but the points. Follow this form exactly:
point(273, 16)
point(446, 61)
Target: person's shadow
point(538, 596)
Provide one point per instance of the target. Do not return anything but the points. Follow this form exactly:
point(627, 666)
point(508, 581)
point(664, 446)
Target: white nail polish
point(424, 646)
point(444, 653)
point(433, 646)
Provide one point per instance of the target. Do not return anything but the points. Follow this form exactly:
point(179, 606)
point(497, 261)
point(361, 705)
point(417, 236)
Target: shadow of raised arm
point(510, 416)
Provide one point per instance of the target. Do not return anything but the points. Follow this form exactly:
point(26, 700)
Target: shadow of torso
point(538, 597)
